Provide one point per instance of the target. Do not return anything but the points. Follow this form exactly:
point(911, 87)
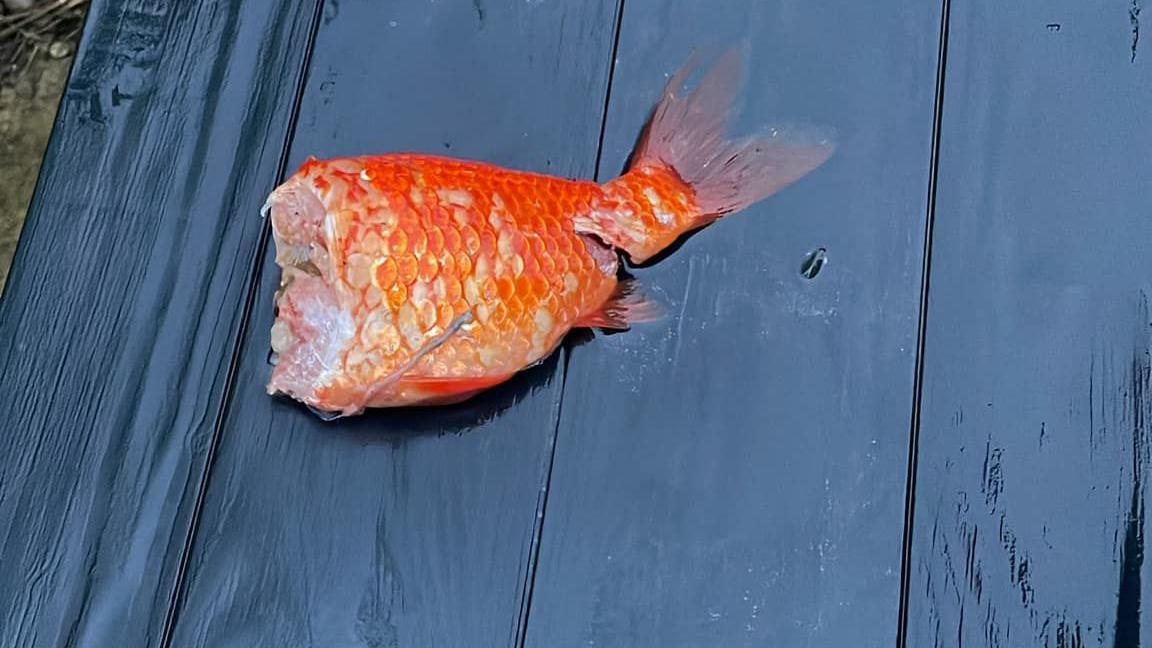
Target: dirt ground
point(37, 41)
point(28, 105)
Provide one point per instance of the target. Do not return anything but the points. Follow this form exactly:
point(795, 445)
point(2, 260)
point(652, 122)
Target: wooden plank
point(734, 475)
point(1033, 461)
point(116, 325)
point(401, 528)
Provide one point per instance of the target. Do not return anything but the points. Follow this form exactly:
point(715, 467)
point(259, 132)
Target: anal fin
point(442, 390)
point(625, 307)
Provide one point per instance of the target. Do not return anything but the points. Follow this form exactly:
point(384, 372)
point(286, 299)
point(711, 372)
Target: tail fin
point(715, 175)
point(726, 175)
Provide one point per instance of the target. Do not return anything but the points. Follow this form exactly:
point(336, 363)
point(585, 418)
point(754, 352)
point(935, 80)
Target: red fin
point(448, 390)
point(687, 172)
point(626, 306)
point(689, 134)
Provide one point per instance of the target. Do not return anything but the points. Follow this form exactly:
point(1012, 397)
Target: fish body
point(412, 279)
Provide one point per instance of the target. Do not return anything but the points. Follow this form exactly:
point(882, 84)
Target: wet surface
point(415, 526)
point(734, 474)
point(117, 322)
point(1033, 464)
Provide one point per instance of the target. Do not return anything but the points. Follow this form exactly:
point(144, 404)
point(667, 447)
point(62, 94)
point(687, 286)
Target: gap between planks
point(921, 335)
point(171, 615)
point(529, 585)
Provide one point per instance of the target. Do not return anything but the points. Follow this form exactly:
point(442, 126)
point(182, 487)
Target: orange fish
point(414, 279)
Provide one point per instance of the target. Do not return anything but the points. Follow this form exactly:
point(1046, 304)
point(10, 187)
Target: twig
point(24, 34)
point(17, 20)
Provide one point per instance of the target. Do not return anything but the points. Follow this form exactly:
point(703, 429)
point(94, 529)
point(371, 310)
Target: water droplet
point(813, 262)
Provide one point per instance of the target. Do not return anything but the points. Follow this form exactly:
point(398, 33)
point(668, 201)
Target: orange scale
point(463, 264)
point(539, 246)
point(530, 222)
point(452, 240)
point(555, 229)
point(471, 239)
point(562, 245)
point(397, 296)
point(439, 216)
point(385, 273)
point(371, 243)
point(489, 290)
point(563, 315)
point(549, 245)
point(561, 262)
point(549, 301)
point(435, 241)
point(499, 314)
point(481, 203)
point(447, 264)
point(513, 196)
point(519, 308)
point(452, 290)
point(582, 262)
point(520, 242)
point(547, 265)
point(407, 268)
point(487, 243)
point(445, 315)
point(505, 288)
point(398, 242)
point(418, 240)
point(428, 266)
point(426, 313)
point(372, 297)
point(540, 286)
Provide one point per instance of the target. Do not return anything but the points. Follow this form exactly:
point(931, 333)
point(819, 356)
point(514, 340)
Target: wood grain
point(734, 474)
point(401, 528)
point(116, 325)
point(1033, 463)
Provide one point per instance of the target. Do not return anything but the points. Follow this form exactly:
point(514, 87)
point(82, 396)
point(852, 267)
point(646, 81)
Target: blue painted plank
point(401, 528)
point(1033, 462)
point(734, 475)
point(116, 327)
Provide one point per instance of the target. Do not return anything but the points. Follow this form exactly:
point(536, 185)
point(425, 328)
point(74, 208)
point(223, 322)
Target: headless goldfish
point(414, 279)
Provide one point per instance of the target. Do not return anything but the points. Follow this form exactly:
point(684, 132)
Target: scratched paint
point(994, 556)
point(1029, 518)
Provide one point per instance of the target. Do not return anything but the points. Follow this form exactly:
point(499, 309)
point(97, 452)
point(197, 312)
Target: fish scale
point(417, 241)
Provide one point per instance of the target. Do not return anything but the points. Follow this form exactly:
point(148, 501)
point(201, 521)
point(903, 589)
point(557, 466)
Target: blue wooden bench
point(940, 439)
